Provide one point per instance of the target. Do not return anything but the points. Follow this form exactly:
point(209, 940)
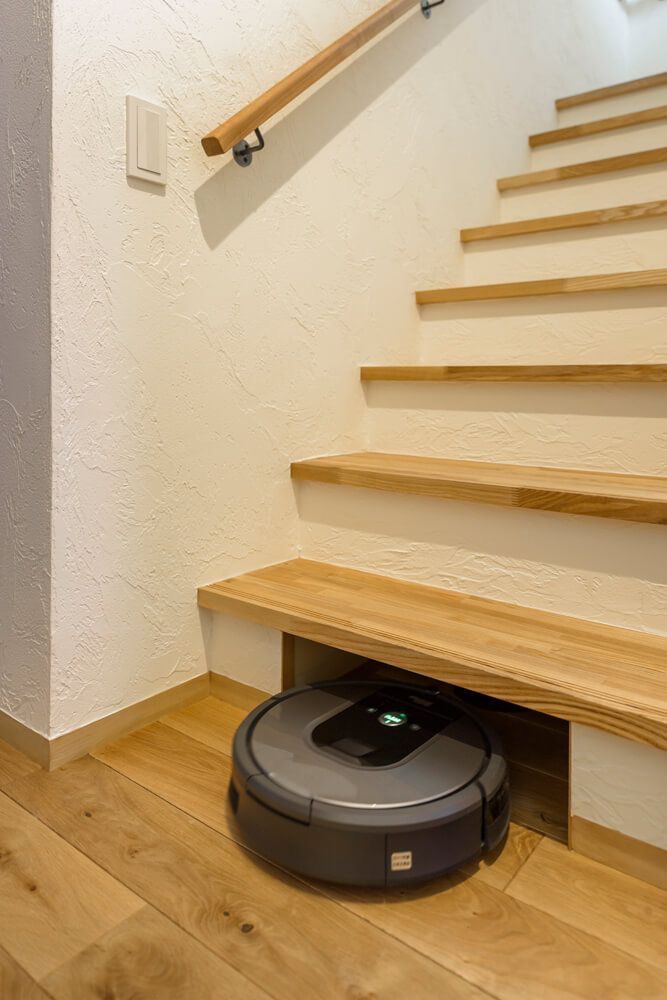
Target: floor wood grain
point(145, 957)
point(13, 764)
point(599, 900)
point(253, 916)
point(143, 891)
point(15, 983)
point(54, 900)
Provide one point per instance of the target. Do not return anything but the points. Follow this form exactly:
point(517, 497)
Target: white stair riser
point(606, 427)
point(586, 328)
point(602, 570)
point(628, 187)
point(594, 147)
point(630, 246)
point(621, 105)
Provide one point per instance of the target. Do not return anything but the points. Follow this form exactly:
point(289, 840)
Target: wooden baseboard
point(81, 741)
point(23, 738)
point(50, 754)
point(236, 693)
point(617, 850)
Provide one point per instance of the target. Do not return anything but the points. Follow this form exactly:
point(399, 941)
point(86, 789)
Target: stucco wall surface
point(620, 785)
point(647, 21)
point(206, 336)
point(25, 447)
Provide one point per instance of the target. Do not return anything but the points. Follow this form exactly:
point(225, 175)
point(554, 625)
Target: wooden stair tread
point(601, 125)
point(546, 286)
point(616, 90)
point(610, 678)
point(572, 220)
point(610, 164)
point(571, 491)
point(515, 373)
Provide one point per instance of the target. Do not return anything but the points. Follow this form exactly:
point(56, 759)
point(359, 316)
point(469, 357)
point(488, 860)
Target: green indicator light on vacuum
point(393, 719)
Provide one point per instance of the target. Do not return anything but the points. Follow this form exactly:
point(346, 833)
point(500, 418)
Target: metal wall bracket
point(427, 6)
point(243, 150)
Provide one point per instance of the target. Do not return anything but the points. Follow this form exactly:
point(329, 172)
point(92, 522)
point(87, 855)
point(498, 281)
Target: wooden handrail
point(240, 125)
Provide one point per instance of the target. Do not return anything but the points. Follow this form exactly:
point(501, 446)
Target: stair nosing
point(586, 168)
point(611, 91)
point(571, 132)
point(569, 220)
point(570, 285)
point(619, 496)
point(620, 373)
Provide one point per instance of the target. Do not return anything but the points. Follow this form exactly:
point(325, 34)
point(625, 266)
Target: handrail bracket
point(428, 5)
point(243, 151)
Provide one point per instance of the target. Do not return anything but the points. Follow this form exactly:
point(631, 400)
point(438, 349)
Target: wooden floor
point(120, 877)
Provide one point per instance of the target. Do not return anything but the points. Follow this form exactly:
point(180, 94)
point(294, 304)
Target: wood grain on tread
point(609, 678)
point(255, 917)
point(615, 90)
point(566, 491)
point(144, 957)
point(656, 277)
point(54, 901)
point(602, 902)
point(514, 373)
point(601, 125)
point(573, 220)
point(610, 164)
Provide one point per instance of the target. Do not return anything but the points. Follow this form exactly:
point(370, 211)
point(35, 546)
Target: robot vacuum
point(368, 783)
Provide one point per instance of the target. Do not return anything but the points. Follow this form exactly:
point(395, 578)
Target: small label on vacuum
point(401, 861)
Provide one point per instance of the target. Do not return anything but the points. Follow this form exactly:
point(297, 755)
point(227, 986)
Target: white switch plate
point(146, 140)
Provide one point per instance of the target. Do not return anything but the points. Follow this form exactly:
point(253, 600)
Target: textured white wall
point(25, 446)
point(647, 38)
point(206, 336)
point(619, 784)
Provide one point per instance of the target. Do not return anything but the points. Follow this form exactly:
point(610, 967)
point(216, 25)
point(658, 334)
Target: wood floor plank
point(498, 868)
point(146, 957)
point(54, 901)
point(618, 909)
point(159, 758)
point(15, 983)
point(610, 164)
point(14, 764)
point(268, 925)
point(466, 925)
point(210, 721)
point(510, 948)
point(629, 120)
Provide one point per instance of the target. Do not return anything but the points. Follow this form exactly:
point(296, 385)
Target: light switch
point(146, 140)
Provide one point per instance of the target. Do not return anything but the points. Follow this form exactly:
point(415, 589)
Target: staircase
point(557, 221)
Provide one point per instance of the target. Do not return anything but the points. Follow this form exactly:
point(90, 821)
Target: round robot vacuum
point(369, 784)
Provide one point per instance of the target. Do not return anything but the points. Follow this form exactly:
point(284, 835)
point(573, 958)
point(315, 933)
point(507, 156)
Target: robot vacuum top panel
point(368, 745)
